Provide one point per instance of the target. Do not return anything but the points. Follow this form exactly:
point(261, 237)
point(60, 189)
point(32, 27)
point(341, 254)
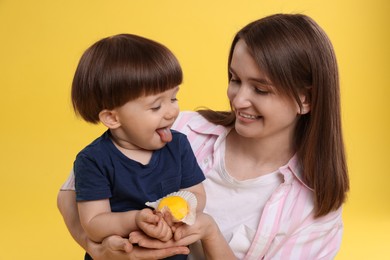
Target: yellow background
point(42, 41)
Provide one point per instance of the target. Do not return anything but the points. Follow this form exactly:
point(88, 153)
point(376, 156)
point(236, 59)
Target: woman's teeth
point(248, 116)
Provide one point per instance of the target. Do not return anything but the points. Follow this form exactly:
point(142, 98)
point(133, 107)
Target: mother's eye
point(261, 91)
point(234, 80)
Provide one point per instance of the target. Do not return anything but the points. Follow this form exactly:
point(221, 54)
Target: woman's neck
point(248, 158)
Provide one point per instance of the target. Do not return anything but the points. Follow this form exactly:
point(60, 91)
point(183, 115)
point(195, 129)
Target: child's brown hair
point(119, 69)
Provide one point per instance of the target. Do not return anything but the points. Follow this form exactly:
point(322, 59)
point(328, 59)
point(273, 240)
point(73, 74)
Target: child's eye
point(155, 108)
point(173, 100)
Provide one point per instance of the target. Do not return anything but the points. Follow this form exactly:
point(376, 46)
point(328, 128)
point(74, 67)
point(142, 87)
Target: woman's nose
point(241, 97)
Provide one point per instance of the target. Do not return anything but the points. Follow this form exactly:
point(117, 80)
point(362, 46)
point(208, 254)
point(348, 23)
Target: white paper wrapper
point(191, 200)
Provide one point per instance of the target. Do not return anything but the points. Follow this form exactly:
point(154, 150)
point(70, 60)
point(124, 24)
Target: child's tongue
point(165, 134)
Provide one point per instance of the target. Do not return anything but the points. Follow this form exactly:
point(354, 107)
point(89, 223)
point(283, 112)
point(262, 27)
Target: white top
point(237, 221)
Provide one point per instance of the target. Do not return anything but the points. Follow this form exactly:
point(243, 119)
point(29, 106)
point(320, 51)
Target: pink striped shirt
point(287, 227)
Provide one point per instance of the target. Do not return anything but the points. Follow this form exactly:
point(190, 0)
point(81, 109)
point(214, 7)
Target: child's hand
point(170, 221)
point(153, 224)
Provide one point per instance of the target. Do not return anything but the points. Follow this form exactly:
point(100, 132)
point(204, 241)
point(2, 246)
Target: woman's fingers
point(117, 243)
point(144, 240)
point(140, 253)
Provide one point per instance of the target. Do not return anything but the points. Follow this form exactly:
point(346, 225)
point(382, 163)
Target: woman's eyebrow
point(261, 80)
point(232, 71)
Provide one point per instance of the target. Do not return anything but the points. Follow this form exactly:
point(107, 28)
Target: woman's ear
point(305, 101)
point(109, 118)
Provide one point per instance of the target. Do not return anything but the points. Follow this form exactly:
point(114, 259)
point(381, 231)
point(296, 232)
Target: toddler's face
point(146, 121)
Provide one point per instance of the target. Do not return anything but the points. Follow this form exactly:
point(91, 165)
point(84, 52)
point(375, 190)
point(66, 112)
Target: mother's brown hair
point(298, 57)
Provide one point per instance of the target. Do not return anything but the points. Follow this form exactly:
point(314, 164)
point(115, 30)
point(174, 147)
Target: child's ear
point(109, 118)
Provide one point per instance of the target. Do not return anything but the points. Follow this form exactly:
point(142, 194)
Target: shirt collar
point(293, 169)
point(200, 125)
point(289, 171)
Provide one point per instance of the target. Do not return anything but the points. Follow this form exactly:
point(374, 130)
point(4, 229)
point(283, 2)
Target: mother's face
point(260, 110)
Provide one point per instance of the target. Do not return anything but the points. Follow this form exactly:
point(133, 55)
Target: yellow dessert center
point(176, 205)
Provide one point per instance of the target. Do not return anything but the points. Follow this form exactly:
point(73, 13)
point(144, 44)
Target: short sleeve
point(191, 172)
point(90, 180)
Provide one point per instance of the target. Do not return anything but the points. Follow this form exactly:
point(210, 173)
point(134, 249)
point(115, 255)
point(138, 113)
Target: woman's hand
point(205, 229)
point(184, 235)
point(118, 248)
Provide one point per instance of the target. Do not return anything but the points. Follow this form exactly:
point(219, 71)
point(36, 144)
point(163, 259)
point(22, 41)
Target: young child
point(129, 84)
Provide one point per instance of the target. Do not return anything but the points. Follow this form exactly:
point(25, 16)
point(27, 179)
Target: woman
point(276, 174)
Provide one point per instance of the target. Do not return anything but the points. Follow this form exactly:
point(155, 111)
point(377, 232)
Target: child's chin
point(157, 145)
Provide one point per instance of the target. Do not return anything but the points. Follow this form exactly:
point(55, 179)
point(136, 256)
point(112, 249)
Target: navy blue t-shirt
point(103, 172)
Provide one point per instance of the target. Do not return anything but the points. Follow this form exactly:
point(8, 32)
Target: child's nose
point(171, 112)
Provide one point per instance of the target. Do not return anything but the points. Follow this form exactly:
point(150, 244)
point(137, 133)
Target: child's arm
point(99, 222)
point(113, 247)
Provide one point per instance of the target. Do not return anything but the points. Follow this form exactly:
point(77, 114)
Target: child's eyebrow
point(177, 88)
point(158, 96)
